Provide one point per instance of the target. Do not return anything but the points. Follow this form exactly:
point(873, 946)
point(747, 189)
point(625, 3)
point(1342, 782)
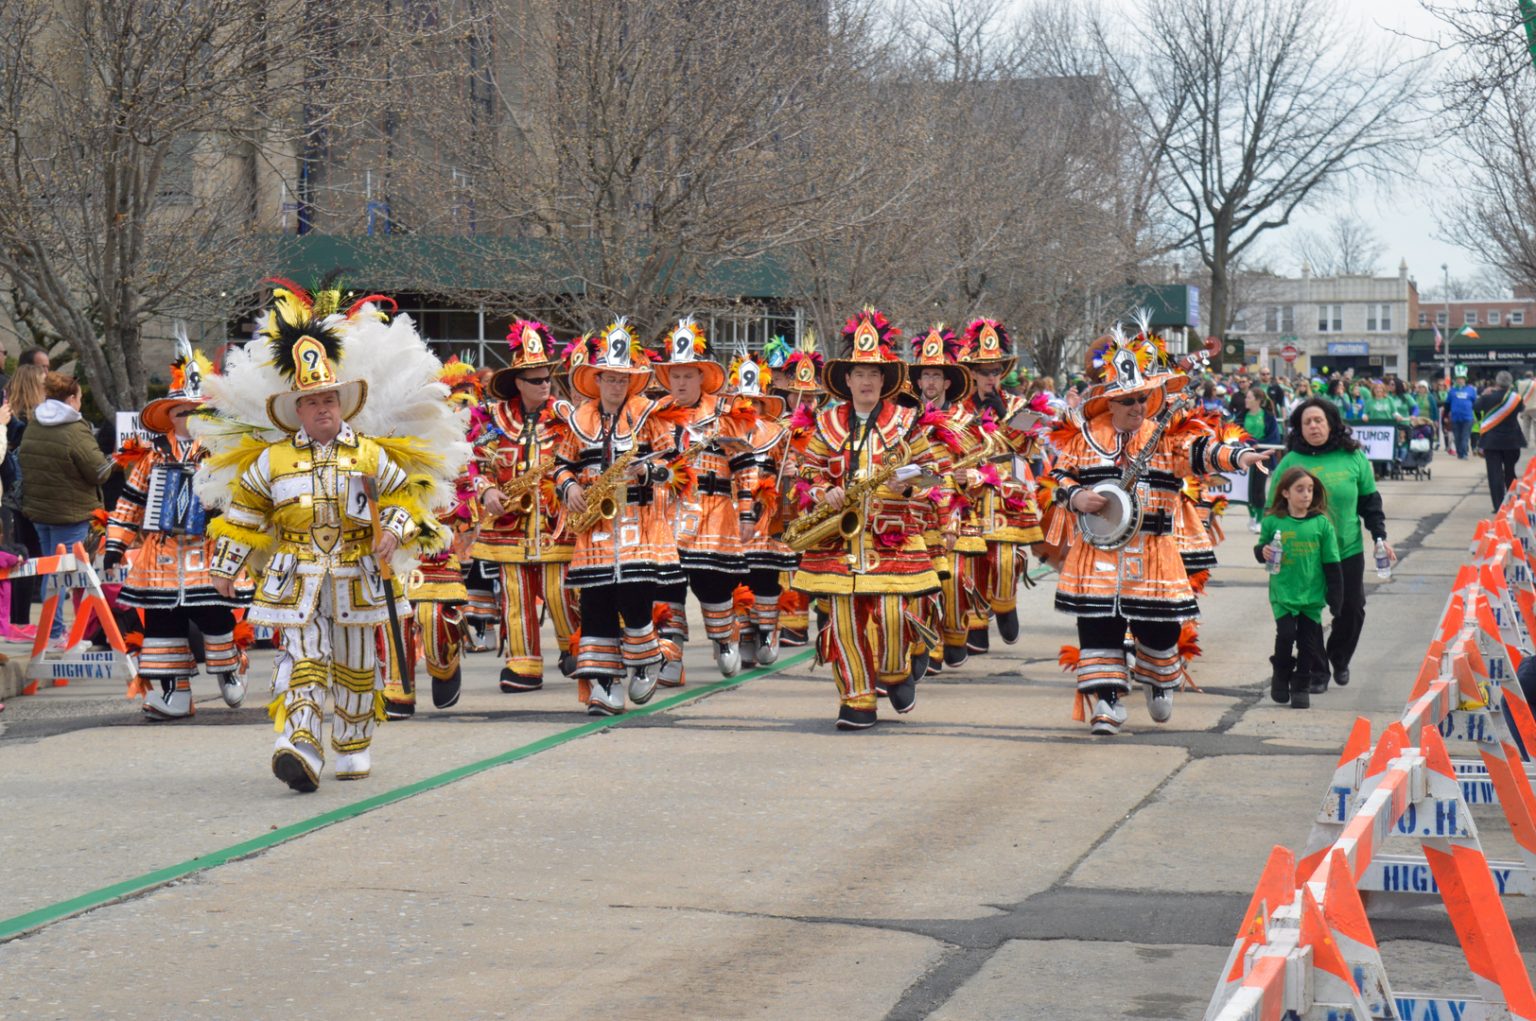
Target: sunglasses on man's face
point(1127, 402)
point(541, 381)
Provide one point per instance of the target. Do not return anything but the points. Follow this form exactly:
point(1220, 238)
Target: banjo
point(1112, 527)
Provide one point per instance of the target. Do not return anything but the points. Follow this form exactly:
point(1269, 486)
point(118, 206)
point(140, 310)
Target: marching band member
point(768, 558)
point(606, 473)
point(1003, 502)
point(168, 578)
point(435, 589)
point(801, 377)
point(1136, 582)
point(521, 552)
point(943, 384)
point(865, 553)
point(712, 517)
point(329, 506)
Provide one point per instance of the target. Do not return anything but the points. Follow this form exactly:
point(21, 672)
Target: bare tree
point(137, 138)
point(1258, 106)
point(1349, 248)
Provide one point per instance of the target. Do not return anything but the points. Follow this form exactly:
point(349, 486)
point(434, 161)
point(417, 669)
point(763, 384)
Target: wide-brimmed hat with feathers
point(532, 346)
point(1127, 366)
point(746, 378)
point(804, 365)
point(939, 349)
point(868, 336)
point(304, 336)
point(618, 351)
point(686, 345)
point(986, 343)
point(188, 371)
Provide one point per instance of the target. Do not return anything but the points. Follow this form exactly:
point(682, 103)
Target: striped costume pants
point(522, 589)
point(167, 654)
point(320, 658)
point(616, 630)
point(997, 577)
point(866, 642)
point(1102, 666)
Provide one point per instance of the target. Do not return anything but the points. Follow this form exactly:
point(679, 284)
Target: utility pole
point(1445, 342)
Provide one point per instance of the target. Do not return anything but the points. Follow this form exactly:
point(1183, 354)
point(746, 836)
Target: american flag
point(1438, 339)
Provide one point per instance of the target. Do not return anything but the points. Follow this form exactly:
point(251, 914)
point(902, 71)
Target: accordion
point(171, 506)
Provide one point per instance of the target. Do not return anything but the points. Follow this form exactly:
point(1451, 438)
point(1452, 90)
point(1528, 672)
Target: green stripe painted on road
point(11, 928)
point(19, 925)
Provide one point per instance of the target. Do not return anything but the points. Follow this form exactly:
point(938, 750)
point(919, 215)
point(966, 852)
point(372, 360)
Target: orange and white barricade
point(71, 571)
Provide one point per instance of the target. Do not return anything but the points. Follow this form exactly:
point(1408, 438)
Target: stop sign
point(1290, 353)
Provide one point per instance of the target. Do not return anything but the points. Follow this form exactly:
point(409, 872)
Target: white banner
point(1376, 440)
point(1234, 486)
point(128, 425)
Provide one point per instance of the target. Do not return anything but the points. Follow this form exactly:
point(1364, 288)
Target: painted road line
point(22, 924)
point(11, 928)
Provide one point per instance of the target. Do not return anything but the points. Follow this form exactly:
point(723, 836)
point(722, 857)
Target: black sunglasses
point(541, 381)
point(1126, 402)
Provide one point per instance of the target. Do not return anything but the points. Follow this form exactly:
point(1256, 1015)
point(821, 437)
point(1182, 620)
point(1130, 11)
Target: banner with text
point(1376, 440)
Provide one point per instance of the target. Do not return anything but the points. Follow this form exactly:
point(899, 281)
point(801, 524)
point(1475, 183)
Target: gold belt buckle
point(325, 536)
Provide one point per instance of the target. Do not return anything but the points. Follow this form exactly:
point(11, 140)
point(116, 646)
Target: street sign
point(1290, 353)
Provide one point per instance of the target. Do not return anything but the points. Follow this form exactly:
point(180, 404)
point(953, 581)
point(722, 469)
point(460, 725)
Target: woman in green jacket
point(61, 472)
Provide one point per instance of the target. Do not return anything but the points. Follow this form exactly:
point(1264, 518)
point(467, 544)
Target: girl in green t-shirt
point(1308, 579)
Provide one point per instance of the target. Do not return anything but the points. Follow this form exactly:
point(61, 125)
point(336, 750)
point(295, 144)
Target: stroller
point(1419, 452)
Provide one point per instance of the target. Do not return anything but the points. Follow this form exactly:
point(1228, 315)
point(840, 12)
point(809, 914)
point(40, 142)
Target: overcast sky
point(1406, 218)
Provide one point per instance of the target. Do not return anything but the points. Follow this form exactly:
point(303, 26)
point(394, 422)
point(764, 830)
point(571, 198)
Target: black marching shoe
point(512, 681)
point(1341, 675)
point(849, 718)
point(956, 655)
point(445, 692)
point(398, 710)
point(1008, 626)
point(977, 641)
point(1319, 683)
point(792, 638)
point(919, 667)
point(567, 663)
point(935, 664)
point(903, 696)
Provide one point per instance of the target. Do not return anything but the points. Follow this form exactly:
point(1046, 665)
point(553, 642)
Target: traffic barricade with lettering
point(71, 572)
point(1313, 955)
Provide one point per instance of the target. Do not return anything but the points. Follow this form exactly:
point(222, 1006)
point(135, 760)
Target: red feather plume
point(1068, 657)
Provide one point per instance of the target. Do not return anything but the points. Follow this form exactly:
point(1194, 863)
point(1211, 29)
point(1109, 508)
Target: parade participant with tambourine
point(1119, 471)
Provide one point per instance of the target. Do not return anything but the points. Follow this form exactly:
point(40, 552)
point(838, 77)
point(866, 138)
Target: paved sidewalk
point(982, 858)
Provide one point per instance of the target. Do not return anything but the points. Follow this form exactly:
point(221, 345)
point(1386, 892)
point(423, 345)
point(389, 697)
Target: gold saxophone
point(521, 492)
point(605, 494)
point(990, 447)
point(823, 523)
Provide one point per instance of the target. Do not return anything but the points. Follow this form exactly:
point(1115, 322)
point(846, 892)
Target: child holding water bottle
point(1299, 548)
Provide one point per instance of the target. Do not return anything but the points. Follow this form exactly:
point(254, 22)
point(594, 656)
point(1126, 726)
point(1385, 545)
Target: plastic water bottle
point(1275, 555)
point(1383, 560)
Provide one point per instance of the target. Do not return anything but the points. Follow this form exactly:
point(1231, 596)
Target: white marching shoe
point(353, 765)
point(1159, 703)
point(768, 648)
point(607, 698)
point(232, 687)
point(1108, 716)
point(728, 656)
point(173, 705)
point(298, 766)
point(642, 684)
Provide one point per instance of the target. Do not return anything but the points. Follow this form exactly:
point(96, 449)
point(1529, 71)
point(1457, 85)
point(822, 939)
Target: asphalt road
point(727, 856)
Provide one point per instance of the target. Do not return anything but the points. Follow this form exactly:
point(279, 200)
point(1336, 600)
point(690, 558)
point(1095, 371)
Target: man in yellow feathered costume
point(306, 504)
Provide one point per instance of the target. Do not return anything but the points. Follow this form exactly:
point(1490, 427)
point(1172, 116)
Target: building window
point(1423, 318)
point(1240, 320)
point(1440, 318)
point(1517, 317)
point(1493, 317)
point(1330, 318)
point(1469, 318)
point(1378, 318)
point(1280, 319)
